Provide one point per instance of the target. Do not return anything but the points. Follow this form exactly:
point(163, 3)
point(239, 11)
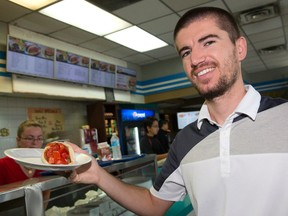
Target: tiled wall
point(13, 110)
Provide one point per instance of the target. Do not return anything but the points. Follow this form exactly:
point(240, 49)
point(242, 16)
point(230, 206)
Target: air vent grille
point(257, 14)
point(112, 5)
point(272, 49)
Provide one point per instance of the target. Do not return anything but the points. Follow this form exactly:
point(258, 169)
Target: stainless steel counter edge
point(17, 190)
point(122, 165)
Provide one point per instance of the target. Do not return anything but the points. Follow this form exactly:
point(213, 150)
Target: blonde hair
point(25, 124)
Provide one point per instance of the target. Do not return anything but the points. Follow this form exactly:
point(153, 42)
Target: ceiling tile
point(283, 5)
point(217, 3)
point(73, 35)
point(237, 6)
point(274, 33)
point(251, 60)
point(169, 57)
point(167, 37)
point(161, 52)
point(44, 24)
point(269, 43)
point(100, 44)
point(262, 26)
point(160, 25)
point(139, 59)
point(285, 20)
point(120, 52)
point(254, 68)
point(7, 16)
point(143, 11)
point(183, 4)
point(251, 53)
point(278, 59)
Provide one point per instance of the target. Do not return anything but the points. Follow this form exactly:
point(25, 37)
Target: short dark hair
point(223, 18)
point(162, 122)
point(148, 122)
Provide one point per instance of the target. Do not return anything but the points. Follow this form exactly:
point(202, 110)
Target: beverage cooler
point(131, 130)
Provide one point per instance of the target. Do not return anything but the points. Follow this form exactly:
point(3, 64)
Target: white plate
point(31, 157)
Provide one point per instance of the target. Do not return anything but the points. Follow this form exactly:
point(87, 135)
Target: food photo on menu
point(73, 59)
point(62, 56)
point(30, 48)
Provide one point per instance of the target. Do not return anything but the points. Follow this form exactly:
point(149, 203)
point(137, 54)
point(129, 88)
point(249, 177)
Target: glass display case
point(55, 195)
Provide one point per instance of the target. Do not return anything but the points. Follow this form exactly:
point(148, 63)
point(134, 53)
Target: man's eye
point(186, 53)
point(209, 43)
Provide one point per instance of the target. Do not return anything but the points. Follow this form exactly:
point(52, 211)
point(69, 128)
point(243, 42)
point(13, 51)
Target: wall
point(13, 110)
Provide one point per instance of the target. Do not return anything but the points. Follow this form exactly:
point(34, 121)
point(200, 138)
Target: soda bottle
point(115, 144)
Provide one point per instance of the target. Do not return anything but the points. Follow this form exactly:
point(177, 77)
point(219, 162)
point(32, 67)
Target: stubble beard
point(225, 82)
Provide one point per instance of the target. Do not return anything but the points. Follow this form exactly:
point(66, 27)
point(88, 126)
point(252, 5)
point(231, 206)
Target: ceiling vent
point(257, 14)
point(112, 5)
point(272, 49)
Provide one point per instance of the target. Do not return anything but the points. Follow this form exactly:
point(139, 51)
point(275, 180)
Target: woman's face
point(153, 130)
point(32, 137)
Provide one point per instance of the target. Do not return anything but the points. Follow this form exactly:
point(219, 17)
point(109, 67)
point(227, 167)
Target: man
point(29, 135)
point(150, 144)
point(233, 160)
point(164, 134)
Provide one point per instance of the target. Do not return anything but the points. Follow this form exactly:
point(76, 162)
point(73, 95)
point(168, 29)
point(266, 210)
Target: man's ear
point(241, 45)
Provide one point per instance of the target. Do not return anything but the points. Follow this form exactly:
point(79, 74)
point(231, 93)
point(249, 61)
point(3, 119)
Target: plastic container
point(103, 151)
point(115, 144)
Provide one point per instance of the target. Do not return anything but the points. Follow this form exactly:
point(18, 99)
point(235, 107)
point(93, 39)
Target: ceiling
point(267, 36)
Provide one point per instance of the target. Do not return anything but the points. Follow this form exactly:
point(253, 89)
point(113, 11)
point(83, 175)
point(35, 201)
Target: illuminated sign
point(135, 115)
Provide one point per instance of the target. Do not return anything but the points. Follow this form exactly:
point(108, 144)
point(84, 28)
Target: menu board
point(71, 67)
point(29, 58)
point(102, 74)
point(125, 78)
point(51, 119)
point(34, 59)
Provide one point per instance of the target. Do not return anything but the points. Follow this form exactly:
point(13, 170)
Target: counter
point(33, 196)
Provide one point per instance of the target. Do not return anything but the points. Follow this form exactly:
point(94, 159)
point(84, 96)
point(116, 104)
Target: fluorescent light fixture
point(136, 39)
point(33, 5)
point(86, 16)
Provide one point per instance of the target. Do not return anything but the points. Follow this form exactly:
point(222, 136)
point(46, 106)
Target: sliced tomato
point(56, 147)
point(57, 153)
point(65, 155)
point(51, 160)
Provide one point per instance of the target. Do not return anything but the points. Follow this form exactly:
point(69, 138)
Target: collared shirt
point(249, 105)
point(232, 169)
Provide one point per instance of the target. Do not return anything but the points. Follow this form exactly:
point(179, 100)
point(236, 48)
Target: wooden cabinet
point(104, 117)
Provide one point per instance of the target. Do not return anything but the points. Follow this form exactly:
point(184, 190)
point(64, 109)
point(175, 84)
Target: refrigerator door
point(131, 135)
point(132, 140)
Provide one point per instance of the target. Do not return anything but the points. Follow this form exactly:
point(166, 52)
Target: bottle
point(115, 144)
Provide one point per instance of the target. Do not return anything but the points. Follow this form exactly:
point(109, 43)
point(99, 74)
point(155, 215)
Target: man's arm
point(136, 199)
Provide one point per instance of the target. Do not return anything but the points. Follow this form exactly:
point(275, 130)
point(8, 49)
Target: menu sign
point(71, 67)
point(29, 58)
point(102, 74)
point(51, 119)
point(34, 59)
point(126, 78)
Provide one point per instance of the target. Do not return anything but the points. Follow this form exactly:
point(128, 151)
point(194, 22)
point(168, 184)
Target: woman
point(29, 135)
point(150, 143)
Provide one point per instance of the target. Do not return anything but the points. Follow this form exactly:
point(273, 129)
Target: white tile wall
point(13, 110)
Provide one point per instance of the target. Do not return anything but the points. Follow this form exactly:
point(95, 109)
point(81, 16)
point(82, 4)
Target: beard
point(225, 82)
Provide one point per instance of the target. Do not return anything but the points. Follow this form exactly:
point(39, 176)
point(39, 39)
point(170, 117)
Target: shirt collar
point(249, 106)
